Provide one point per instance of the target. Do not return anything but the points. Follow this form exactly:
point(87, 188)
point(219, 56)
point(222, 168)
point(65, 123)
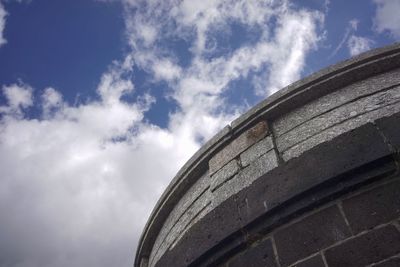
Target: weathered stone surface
point(341, 128)
point(256, 150)
point(311, 234)
point(393, 262)
point(224, 174)
point(365, 249)
point(315, 261)
point(390, 128)
point(237, 145)
point(346, 156)
point(259, 254)
point(338, 115)
point(215, 226)
point(338, 98)
point(246, 176)
point(374, 207)
point(198, 189)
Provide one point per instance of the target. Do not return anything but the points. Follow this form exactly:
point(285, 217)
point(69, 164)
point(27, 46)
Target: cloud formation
point(358, 44)
point(3, 15)
point(79, 181)
point(387, 17)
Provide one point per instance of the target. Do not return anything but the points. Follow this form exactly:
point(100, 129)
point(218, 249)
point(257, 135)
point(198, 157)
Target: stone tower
point(308, 177)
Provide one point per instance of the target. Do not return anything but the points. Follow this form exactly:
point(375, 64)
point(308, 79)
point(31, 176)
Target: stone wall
point(308, 177)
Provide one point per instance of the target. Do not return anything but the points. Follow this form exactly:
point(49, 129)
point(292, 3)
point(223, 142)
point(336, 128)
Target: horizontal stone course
point(259, 254)
point(198, 189)
point(390, 128)
point(315, 261)
point(334, 100)
point(238, 145)
point(393, 262)
point(368, 248)
point(339, 129)
point(374, 207)
point(346, 112)
point(246, 176)
point(311, 234)
point(223, 174)
point(256, 150)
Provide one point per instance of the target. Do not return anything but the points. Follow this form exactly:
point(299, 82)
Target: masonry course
point(308, 177)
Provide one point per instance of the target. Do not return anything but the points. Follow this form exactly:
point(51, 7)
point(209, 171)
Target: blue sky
point(102, 102)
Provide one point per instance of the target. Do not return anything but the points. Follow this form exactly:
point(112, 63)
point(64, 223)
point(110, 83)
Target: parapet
point(308, 177)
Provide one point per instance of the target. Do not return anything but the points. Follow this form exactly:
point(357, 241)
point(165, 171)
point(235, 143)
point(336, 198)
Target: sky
point(101, 103)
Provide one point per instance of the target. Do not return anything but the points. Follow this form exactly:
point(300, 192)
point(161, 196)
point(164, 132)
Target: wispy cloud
point(358, 44)
point(86, 176)
point(3, 15)
point(387, 17)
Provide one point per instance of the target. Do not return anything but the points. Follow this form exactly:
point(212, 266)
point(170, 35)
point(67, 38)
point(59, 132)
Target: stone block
point(311, 234)
point(368, 248)
point(315, 261)
point(390, 128)
point(206, 233)
point(335, 99)
point(246, 176)
point(338, 115)
point(259, 254)
point(393, 262)
point(238, 145)
point(256, 150)
point(374, 207)
point(224, 174)
point(339, 129)
point(316, 166)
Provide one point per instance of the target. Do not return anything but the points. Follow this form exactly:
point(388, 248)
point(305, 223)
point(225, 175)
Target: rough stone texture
point(338, 135)
point(237, 145)
point(193, 194)
point(390, 128)
point(338, 115)
point(224, 174)
point(260, 254)
point(256, 151)
point(336, 99)
point(338, 129)
point(310, 234)
point(365, 249)
point(393, 262)
point(315, 261)
point(248, 175)
point(374, 207)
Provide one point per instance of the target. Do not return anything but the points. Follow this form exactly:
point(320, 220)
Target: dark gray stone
point(224, 174)
point(374, 207)
point(341, 128)
point(393, 262)
point(365, 249)
point(311, 234)
point(256, 150)
point(334, 100)
point(338, 115)
point(238, 145)
point(315, 261)
point(390, 128)
point(246, 177)
point(259, 254)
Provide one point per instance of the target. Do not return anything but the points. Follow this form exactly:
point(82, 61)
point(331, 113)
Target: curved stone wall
point(308, 177)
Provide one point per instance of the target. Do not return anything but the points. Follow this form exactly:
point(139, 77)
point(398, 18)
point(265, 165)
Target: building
point(308, 177)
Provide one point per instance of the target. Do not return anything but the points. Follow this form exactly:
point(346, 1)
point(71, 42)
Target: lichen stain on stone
point(258, 131)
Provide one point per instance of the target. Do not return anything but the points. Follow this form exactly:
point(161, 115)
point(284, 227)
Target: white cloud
point(387, 17)
point(358, 44)
point(19, 97)
point(86, 176)
point(3, 15)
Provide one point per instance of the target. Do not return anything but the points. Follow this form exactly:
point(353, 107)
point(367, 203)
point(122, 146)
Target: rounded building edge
point(295, 95)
